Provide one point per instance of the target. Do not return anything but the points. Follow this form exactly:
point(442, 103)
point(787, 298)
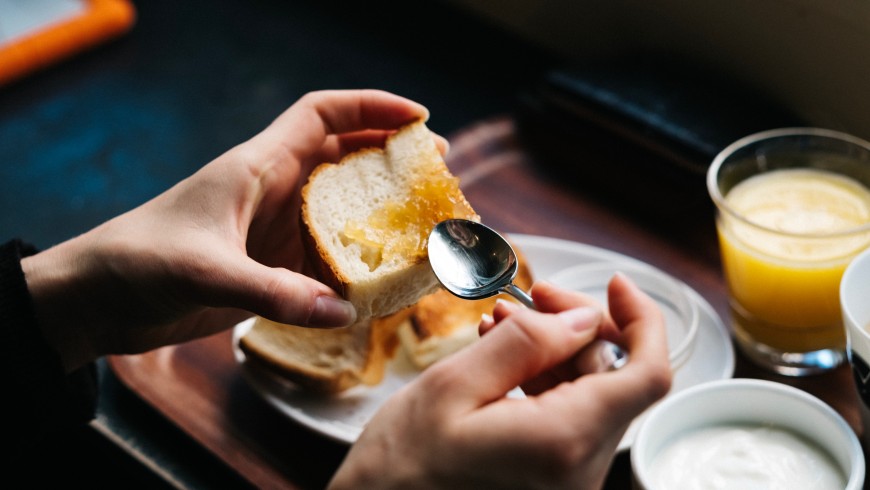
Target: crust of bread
point(323, 360)
point(325, 269)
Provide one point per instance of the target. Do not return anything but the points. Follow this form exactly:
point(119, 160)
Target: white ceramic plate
point(342, 417)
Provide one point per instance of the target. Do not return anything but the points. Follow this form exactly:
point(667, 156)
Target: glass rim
point(722, 156)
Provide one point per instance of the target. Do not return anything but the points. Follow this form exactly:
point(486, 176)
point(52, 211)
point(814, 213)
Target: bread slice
point(322, 360)
point(441, 323)
point(333, 360)
point(367, 220)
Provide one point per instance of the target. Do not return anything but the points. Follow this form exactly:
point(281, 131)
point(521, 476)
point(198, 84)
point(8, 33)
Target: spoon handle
point(520, 295)
point(600, 356)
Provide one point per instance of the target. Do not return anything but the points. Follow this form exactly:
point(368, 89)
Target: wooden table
point(199, 387)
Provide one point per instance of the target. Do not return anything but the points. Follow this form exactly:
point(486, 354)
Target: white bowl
point(855, 292)
point(855, 303)
point(748, 402)
point(681, 313)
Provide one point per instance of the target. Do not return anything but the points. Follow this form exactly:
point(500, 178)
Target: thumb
point(523, 346)
point(282, 296)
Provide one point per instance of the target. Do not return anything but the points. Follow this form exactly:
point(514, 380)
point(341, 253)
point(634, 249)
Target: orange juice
point(784, 255)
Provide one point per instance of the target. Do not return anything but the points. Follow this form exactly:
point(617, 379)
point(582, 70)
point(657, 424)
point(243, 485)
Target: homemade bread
point(441, 323)
point(334, 360)
point(322, 360)
point(367, 220)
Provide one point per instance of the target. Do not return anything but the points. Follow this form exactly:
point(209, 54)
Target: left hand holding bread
point(216, 247)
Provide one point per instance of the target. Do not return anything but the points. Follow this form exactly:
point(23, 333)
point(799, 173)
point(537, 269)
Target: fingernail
point(582, 318)
point(487, 322)
point(509, 305)
point(622, 276)
point(331, 312)
point(441, 143)
point(425, 111)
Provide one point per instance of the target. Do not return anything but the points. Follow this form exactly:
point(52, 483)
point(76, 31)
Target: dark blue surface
point(104, 132)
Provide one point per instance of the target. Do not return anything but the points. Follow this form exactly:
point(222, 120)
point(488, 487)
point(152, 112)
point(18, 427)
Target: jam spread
point(402, 228)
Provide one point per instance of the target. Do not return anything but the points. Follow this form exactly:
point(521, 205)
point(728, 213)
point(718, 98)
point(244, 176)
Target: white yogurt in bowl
point(744, 456)
point(746, 434)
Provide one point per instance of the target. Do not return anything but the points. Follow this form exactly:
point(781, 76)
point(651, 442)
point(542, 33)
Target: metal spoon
point(473, 261)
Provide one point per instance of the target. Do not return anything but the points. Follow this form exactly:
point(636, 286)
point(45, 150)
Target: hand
point(454, 427)
point(216, 247)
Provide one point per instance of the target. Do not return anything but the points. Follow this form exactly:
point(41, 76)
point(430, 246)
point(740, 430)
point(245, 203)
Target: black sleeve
point(39, 396)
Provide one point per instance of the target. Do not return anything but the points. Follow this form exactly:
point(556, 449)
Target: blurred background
point(104, 129)
point(808, 56)
point(108, 128)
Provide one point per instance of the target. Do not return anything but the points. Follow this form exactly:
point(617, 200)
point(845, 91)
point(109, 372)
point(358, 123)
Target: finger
point(277, 294)
point(441, 143)
point(345, 111)
point(524, 345)
point(369, 138)
point(640, 319)
point(486, 324)
point(337, 146)
point(647, 375)
point(503, 308)
point(592, 358)
point(551, 298)
point(548, 298)
point(319, 114)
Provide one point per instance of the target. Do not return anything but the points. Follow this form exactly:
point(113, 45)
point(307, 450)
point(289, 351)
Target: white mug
point(855, 303)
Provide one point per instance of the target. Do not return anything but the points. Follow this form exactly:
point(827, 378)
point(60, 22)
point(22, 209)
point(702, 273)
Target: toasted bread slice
point(334, 360)
point(323, 360)
point(368, 218)
point(441, 323)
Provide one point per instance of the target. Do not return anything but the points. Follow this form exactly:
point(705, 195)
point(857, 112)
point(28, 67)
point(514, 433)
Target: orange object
point(100, 21)
point(785, 288)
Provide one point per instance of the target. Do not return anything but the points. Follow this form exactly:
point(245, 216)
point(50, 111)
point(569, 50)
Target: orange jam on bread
point(402, 228)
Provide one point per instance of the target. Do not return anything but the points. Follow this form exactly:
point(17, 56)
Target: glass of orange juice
point(793, 208)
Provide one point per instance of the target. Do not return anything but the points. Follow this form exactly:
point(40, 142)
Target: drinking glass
point(793, 209)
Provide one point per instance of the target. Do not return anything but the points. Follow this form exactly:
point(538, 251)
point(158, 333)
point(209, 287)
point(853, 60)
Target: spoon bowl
point(473, 261)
